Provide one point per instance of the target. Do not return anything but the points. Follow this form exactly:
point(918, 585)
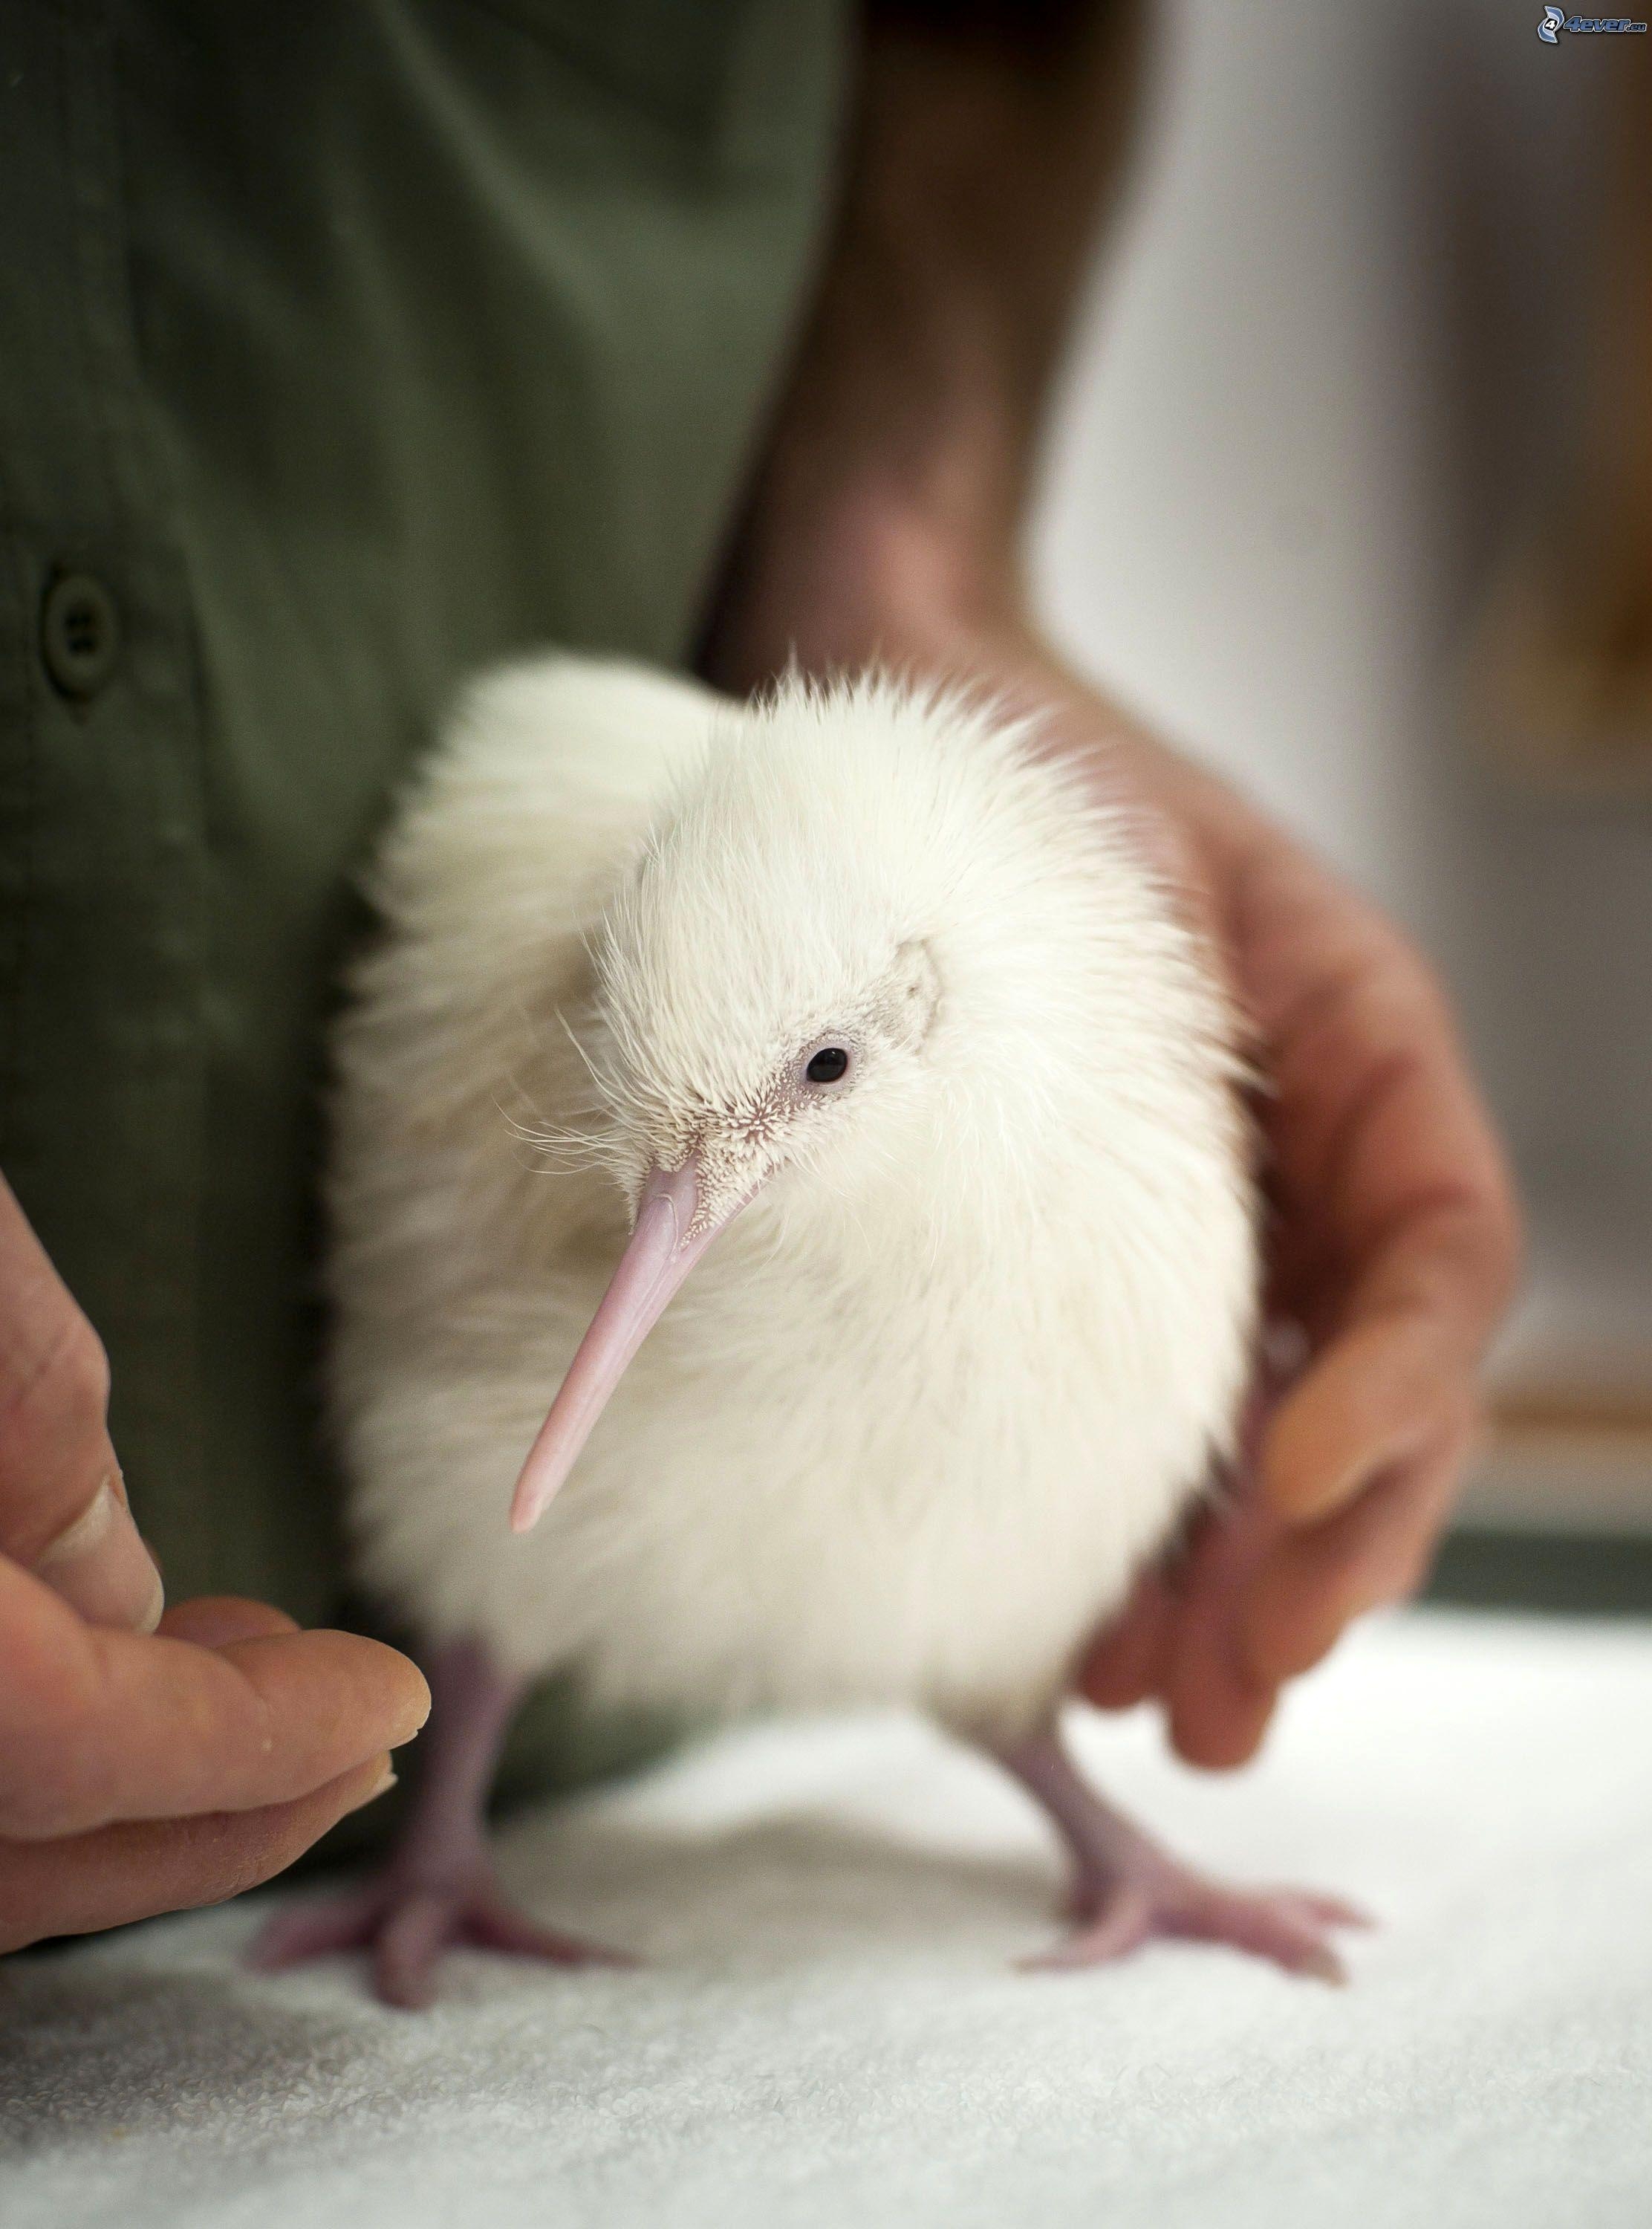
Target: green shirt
point(345, 345)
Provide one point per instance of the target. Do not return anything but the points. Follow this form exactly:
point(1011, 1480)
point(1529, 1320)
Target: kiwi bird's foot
point(439, 1891)
point(406, 1924)
point(1118, 1913)
point(1128, 1890)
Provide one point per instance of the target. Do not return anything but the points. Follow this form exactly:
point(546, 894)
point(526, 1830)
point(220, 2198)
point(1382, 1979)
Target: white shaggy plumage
point(927, 1404)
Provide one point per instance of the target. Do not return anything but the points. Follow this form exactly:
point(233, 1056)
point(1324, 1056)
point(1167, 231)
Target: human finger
point(214, 1621)
point(1216, 1707)
point(63, 1507)
point(1219, 1724)
point(1316, 1580)
point(97, 1725)
point(1397, 1232)
point(139, 1868)
point(1248, 1624)
point(1123, 1667)
point(1396, 1369)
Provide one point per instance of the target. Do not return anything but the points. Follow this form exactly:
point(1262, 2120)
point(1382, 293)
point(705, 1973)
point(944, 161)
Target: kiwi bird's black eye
point(828, 1065)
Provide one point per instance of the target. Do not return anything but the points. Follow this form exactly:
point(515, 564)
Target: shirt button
point(80, 634)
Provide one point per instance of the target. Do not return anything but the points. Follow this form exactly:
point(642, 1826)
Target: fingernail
point(381, 1786)
point(101, 1566)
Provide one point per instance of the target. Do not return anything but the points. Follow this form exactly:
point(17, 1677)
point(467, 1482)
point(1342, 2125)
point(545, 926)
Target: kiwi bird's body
point(981, 1316)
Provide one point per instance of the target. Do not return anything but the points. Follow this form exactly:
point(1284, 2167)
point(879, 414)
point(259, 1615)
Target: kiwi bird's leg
point(438, 1888)
point(1127, 1889)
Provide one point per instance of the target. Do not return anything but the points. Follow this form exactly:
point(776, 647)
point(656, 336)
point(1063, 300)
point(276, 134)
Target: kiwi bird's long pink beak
point(658, 1256)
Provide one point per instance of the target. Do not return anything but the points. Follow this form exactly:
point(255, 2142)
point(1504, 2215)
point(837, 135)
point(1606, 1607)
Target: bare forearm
point(988, 143)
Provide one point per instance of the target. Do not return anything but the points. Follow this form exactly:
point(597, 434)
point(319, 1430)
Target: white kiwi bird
point(867, 1017)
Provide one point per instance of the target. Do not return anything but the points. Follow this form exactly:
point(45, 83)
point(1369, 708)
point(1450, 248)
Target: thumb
point(63, 1510)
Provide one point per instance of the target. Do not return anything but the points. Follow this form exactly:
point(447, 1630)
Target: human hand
point(142, 1770)
point(1392, 1243)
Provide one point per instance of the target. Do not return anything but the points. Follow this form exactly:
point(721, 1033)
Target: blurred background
point(1352, 494)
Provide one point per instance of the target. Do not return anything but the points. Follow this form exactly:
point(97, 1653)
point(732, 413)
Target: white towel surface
point(830, 2035)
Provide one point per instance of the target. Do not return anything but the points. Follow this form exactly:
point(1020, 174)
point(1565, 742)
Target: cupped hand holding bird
point(1393, 1236)
point(147, 1761)
point(1392, 1242)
